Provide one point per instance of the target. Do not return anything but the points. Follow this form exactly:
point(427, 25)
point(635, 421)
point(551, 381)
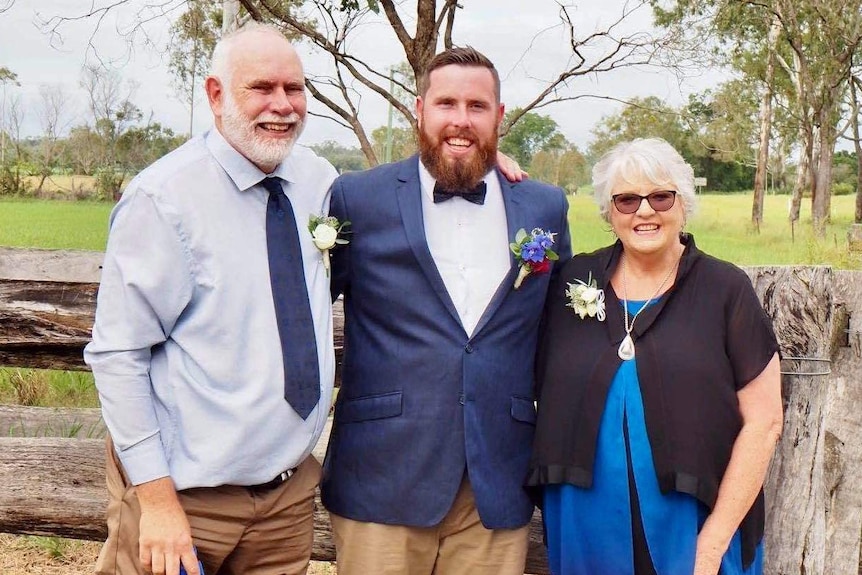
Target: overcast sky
point(522, 37)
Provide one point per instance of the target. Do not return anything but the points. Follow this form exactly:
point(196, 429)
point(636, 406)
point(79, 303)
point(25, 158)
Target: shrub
point(13, 181)
point(843, 189)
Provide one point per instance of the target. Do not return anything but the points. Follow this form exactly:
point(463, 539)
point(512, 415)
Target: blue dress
point(590, 531)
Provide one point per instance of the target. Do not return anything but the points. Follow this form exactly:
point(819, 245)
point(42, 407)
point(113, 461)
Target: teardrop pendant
point(626, 351)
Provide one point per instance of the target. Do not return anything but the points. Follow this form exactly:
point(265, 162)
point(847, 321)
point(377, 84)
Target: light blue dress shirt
point(185, 348)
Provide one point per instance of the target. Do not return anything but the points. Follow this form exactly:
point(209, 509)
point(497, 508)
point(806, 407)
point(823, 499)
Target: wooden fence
point(52, 460)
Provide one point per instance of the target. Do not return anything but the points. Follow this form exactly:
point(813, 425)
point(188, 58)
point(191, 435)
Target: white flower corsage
point(586, 299)
point(327, 232)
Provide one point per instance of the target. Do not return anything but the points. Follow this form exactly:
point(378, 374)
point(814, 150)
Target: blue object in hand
point(183, 569)
point(200, 565)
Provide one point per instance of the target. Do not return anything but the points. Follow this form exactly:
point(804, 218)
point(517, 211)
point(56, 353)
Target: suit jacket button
point(468, 348)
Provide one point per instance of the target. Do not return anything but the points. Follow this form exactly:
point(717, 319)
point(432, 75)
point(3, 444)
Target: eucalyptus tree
point(741, 36)
point(533, 133)
point(641, 118)
point(193, 37)
point(855, 87)
point(812, 42)
point(109, 100)
point(7, 77)
point(53, 112)
point(564, 166)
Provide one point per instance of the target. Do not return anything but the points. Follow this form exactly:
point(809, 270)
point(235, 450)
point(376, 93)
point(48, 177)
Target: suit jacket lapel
point(515, 219)
point(409, 194)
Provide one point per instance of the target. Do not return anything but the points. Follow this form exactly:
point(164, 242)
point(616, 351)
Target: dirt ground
point(51, 556)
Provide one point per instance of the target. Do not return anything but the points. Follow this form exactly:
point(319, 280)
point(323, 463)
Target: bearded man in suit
point(435, 418)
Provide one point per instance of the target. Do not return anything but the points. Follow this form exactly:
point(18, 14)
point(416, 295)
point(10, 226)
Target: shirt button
point(468, 348)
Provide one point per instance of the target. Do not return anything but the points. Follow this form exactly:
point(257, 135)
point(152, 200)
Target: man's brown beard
point(461, 174)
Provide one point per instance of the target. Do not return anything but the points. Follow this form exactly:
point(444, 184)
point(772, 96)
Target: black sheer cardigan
point(704, 340)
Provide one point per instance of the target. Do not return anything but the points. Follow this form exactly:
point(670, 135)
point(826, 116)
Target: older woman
point(659, 390)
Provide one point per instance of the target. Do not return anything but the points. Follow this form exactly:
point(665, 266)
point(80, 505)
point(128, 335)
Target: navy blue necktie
point(292, 307)
point(475, 196)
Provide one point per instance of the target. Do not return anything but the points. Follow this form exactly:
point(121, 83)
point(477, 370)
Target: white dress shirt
point(186, 351)
point(469, 244)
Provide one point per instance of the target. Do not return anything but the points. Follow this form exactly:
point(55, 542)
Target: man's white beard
point(260, 150)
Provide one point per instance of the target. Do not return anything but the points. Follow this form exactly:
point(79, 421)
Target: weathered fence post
point(843, 435)
point(813, 521)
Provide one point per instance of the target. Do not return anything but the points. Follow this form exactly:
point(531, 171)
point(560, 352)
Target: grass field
point(54, 224)
point(721, 226)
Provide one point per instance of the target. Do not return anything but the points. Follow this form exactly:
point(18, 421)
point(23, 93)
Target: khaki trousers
point(459, 545)
point(236, 531)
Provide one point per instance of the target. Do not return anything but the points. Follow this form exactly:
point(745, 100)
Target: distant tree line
point(113, 144)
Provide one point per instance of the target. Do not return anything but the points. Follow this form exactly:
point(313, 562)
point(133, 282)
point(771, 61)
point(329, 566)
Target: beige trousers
point(459, 545)
point(236, 531)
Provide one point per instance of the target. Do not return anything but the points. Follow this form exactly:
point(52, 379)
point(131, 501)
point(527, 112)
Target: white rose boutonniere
point(327, 232)
point(586, 299)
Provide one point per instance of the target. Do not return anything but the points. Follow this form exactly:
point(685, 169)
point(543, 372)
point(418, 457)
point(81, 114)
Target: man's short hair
point(466, 56)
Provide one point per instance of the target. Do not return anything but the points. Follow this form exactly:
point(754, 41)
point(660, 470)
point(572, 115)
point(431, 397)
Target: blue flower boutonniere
point(533, 252)
point(327, 232)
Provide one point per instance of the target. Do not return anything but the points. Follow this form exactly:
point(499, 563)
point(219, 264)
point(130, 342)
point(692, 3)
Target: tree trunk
point(858, 217)
point(765, 128)
point(857, 147)
point(230, 16)
point(779, 165)
point(822, 191)
point(803, 174)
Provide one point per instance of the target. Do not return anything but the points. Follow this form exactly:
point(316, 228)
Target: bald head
point(250, 37)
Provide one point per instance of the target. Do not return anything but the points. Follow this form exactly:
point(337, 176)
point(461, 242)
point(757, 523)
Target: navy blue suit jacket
point(421, 401)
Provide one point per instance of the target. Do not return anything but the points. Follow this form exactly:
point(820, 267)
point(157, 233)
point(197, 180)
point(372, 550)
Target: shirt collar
point(239, 169)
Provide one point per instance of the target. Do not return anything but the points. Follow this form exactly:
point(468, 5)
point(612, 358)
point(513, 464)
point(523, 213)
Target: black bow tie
point(476, 195)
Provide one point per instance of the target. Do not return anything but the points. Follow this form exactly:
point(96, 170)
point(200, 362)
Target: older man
point(212, 347)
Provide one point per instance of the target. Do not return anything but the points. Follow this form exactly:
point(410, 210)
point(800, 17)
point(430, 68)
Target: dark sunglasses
point(660, 201)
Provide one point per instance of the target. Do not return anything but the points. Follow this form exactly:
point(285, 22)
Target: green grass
point(54, 224)
point(47, 388)
point(722, 227)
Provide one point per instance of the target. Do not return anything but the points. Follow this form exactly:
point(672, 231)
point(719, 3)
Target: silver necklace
point(626, 350)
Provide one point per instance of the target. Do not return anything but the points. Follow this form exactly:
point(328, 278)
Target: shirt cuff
point(145, 461)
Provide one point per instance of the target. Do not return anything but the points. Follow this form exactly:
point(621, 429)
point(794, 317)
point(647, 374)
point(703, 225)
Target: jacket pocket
point(523, 409)
point(369, 407)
